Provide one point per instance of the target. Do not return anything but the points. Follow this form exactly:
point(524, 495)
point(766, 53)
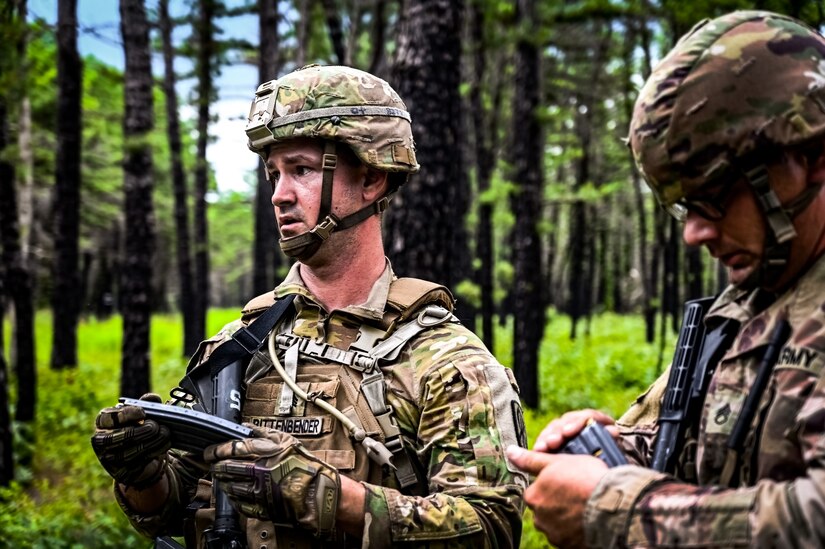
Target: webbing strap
point(329, 112)
point(250, 338)
point(291, 370)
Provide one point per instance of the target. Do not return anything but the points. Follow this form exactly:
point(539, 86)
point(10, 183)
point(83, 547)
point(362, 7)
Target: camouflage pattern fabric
point(335, 103)
point(732, 87)
point(273, 475)
point(780, 501)
point(440, 388)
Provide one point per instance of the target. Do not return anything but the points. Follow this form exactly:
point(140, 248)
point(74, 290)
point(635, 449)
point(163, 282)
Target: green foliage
point(69, 502)
point(605, 369)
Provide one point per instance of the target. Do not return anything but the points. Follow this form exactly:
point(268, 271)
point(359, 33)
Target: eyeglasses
point(710, 205)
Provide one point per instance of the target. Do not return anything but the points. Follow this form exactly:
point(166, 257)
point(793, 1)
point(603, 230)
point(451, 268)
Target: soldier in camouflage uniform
point(385, 351)
point(729, 132)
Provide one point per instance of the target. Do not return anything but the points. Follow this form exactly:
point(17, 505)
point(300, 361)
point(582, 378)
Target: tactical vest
point(351, 380)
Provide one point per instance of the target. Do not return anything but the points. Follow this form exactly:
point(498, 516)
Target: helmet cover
point(730, 89)
point(335, 103)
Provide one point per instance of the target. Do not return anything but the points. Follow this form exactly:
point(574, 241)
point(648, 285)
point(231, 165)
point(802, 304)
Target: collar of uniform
point(743, 305)
point(799, 304)
point(372, 308)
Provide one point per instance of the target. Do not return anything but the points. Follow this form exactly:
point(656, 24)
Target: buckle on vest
point(433, 315)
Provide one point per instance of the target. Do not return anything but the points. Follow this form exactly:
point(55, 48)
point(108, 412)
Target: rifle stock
point(694, 362)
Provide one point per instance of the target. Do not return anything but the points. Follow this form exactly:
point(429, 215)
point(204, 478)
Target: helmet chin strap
point(305, 245)
point(780, 233)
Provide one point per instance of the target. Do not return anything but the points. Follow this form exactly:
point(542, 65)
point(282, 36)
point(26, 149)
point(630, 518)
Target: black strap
point(250, 338)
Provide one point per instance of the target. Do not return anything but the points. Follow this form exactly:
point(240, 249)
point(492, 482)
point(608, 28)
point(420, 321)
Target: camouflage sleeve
point(633, 506)
point(467, 413)
point(639, 424)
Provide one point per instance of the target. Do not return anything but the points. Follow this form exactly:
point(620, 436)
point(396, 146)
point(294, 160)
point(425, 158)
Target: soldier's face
point(738, 239)
point(295, 169)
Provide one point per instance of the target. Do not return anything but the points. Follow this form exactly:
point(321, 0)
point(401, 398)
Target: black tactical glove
point(130, 447)
point(273, 477)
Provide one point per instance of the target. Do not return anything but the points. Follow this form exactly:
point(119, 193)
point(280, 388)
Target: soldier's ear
point(375, 184)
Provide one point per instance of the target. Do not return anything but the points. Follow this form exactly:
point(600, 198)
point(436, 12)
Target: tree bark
point(6, 436)
point(65, 304)
point(265, 253)
point(379, 29)
point(425, 231)
point(191, 336)
point(485, 162)
point(526, 159)
point(138, 122)
point(336, 33)
point(203, 70)
point(304, 8)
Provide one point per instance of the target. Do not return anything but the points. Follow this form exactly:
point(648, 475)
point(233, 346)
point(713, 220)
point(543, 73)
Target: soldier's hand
point(566, 427)
point(130, 447)
point(558, 496)
point(273, 477)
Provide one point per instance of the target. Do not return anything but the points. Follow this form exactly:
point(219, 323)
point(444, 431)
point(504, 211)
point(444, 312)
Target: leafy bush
point(64, 499)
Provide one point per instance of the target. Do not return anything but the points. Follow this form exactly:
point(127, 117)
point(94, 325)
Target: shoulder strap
point(408, 295)
point(247, 340)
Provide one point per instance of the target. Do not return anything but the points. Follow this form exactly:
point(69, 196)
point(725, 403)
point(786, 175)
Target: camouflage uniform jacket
point(780, 501)
point(440, 388)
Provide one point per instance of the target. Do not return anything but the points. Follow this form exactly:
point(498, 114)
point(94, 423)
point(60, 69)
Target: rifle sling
point(250, 338)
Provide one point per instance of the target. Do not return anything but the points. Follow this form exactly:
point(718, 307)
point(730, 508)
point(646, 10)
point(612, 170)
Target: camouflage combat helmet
point(731, 90)
point(337, 105)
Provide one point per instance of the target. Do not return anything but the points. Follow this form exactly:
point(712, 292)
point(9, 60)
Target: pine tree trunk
point(425, 230)
point(485, 162)
point(336, 33)
point(136, 287)
point(379, 29)
point(203, 70)
point(526, 159)
point(191, 336)
point(304, 8)
point(6, 438)
point(67, 190)
point(266, 253)
point(18, 282)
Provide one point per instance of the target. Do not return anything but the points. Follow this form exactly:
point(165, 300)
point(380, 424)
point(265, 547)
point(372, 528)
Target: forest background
point(133, 223)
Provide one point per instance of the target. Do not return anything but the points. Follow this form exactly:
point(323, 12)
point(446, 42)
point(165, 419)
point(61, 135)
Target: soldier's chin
point(739, 275)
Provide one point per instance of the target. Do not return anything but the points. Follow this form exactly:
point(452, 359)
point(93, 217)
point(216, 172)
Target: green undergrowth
point(63, 499)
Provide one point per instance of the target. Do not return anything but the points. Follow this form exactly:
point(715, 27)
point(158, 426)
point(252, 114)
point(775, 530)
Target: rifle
point(694, 362)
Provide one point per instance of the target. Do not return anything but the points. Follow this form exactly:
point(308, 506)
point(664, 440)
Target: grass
point(63, 500)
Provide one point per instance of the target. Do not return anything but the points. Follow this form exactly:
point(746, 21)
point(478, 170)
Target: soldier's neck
point(344, 275)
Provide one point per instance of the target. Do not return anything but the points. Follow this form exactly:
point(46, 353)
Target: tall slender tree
point(426, 234)
point(191, 336)
point(203, 71)
point(484, 123)
point(18, 276)
point(138, 122)
point(265, 253)
point(336, 32)
point(6, 449)
point(526, 159)
point(65, 302)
